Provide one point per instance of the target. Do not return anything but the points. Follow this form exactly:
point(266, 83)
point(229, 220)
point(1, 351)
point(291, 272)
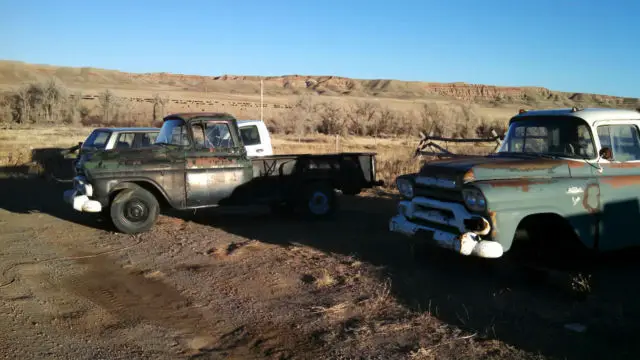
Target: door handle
point(260, 150)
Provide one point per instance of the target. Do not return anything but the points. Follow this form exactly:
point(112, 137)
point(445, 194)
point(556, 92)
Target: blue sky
point(586, 46)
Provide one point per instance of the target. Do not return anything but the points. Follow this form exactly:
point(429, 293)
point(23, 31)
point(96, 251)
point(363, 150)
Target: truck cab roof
point(128, 129)
point(187, 117)
point(249, 122)
point(590, 115)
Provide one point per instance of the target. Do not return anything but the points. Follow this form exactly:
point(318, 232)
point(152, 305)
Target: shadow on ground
point(459, 291)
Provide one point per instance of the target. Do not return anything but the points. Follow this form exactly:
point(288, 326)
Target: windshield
point(173, 132)
point(556, 136)
point(97, 140)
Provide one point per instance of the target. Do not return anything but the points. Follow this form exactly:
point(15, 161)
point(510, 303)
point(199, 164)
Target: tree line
point(52, 102)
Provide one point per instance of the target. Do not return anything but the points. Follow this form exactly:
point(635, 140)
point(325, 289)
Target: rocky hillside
point(14, 73)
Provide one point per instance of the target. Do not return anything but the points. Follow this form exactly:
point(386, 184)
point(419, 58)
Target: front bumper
point(415, 215)
point(80, 195)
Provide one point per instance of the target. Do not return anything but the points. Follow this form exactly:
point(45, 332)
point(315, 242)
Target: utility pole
point(261, 101)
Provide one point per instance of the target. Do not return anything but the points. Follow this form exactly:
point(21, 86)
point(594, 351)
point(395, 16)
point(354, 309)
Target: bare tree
point(54, 98)
point(383, 123)
point(159, 106)
point(108, 105)
point(331, 120)
point(360, 117)
point(73, 109)
point(21, 105)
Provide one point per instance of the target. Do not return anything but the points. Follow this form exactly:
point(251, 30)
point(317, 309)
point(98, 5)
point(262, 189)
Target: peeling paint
point(469, 176)
point(623, 165)
point(576, 164)
point(575, 200)
point(591, 199)
point(494, 223)
point(621, 181)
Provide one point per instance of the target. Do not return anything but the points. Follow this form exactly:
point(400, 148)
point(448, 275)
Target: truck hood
point(495, 167)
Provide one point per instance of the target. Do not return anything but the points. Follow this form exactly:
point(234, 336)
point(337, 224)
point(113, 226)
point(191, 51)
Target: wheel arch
point(560, 228)
point(154, 189)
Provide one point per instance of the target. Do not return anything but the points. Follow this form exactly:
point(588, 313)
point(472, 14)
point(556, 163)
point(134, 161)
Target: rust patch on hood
point(576, 164)
point(518, 183)
point(622, 181)
point(469, 176)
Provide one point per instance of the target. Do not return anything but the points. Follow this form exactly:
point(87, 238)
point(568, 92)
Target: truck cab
point(563, 182)
point(255, 137)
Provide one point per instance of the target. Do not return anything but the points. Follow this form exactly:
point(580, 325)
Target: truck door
point(619, 184)
point(216, 165)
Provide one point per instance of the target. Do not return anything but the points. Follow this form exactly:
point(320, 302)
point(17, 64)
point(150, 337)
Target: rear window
point(250, 135)
point(97, 140)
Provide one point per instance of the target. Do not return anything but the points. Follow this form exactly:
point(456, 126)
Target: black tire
point(318, 200)
point(134, 210)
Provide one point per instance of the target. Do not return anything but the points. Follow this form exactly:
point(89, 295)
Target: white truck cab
point(255, 137)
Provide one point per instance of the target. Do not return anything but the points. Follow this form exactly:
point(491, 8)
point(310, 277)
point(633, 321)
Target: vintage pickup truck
point(199, 160)
point(562, 184)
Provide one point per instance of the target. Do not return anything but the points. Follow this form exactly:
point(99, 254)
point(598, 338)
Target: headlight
point(474, 199)
point(405, 187)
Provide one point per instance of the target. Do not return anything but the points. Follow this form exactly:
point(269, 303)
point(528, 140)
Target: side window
point(585, 142)
point(250, 135)
point(125, 141)
point(623, 140)
point(147, 139)
point(218, 136)
point(198, 136)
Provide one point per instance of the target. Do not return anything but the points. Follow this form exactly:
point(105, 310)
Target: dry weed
point(325, 280)
point(335, 311)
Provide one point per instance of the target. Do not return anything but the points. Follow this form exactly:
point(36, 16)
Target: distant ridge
point(16, 72)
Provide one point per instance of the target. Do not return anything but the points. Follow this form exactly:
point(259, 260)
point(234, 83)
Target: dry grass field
point(247, 284)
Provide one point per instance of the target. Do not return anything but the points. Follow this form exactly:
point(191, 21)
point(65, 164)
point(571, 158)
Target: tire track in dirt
point(134, 298)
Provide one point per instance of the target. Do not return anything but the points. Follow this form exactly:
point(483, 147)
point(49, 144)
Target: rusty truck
point(562, 184)
point(199, 161)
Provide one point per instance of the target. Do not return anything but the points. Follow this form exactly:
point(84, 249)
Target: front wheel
point(134, 210)
point(319, 200)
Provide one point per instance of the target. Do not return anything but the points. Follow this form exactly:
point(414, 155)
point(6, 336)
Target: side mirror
point(606, 153)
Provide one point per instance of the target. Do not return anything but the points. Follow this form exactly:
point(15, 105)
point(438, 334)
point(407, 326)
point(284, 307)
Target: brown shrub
point(51, 102)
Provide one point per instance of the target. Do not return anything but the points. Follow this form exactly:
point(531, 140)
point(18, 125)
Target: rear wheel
point(318, 200)
point(134, 210)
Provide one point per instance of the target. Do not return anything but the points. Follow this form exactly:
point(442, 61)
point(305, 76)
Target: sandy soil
point(244, 284)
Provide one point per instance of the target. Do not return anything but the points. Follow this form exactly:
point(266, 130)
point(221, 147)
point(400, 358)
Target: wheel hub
point(319, 203)
point(135, 211)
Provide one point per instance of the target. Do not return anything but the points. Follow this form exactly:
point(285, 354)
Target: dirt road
point(248, 284)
